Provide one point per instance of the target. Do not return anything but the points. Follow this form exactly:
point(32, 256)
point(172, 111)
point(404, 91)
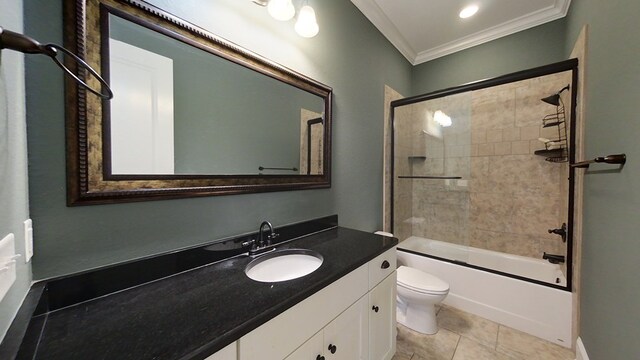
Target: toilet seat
point(420, 281)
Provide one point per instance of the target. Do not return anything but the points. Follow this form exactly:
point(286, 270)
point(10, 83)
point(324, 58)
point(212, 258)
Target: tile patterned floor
point(464, 336)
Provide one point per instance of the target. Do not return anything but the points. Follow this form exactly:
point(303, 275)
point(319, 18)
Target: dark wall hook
point(24, 44)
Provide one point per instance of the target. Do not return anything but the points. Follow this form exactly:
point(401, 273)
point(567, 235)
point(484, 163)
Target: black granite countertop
point(193, 314)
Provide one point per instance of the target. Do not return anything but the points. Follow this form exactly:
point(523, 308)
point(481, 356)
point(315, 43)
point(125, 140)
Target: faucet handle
point(271, 237)
point(562, 231)
point(251, 243)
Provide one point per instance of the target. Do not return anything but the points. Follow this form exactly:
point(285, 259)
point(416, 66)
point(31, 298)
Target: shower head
point(552, 100)
point(555, 98)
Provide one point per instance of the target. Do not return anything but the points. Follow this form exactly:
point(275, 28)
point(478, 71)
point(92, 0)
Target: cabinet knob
point(320, 357)
point(332, 348)
point(375, 308)
point(385, 264)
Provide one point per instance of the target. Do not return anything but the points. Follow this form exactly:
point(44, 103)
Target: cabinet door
point(382, 319)
point(312, 349)
point(282, 335)
point(347, 336)
point(227, 353)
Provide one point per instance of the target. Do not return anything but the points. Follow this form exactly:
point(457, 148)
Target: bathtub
point(539, 310)
point(537, 269)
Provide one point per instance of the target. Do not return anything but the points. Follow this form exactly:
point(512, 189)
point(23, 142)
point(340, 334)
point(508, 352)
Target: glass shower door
point(432, 150)
point(481, 175)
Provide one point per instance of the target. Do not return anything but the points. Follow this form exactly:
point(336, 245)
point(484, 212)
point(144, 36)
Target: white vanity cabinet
point(344, 338)
point(312, 349)
point(230, 352)
point(338, 322)
point(382, 306)
point(382, 319)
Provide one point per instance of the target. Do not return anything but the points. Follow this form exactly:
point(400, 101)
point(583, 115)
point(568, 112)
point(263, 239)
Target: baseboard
point(581, 352)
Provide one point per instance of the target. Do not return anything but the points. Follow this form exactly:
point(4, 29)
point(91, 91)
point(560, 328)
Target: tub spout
point(554, 259)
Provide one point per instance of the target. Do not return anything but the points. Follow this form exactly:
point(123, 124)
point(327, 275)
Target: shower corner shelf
point(550, 124)
point(555, 150)
point(553, 155)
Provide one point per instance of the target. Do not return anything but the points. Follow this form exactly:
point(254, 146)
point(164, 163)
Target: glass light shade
point(282, 10)
point(306, 26)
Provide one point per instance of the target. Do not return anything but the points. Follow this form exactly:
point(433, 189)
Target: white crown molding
point(373, 12)
point(377, 17)
point(559, 10)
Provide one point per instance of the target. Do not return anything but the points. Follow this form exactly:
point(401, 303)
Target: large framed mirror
point(192, 114)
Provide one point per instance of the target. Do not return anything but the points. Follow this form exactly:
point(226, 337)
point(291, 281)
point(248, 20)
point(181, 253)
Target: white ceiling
point(424, 30)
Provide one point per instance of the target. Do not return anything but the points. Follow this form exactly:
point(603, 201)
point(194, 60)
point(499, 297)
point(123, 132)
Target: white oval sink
point(282, 265)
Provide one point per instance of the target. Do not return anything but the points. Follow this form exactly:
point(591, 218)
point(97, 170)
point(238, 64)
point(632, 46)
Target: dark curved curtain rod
point(22, 43)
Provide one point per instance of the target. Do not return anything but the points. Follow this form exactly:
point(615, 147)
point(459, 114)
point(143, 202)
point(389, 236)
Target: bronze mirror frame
point(88, 182)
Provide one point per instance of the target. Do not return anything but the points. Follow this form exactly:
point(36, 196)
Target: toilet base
point(421, 319)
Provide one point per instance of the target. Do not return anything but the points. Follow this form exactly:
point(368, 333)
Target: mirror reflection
point(181, 110)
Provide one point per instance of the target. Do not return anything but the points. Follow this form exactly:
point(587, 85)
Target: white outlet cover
point(28, 240)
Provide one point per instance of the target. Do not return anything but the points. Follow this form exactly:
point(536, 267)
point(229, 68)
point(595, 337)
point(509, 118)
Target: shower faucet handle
point(562, 231)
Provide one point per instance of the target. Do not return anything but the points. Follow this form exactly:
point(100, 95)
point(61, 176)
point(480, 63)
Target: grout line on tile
point(457, 344)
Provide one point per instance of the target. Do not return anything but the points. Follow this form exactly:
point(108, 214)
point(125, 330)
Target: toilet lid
point(420, 281)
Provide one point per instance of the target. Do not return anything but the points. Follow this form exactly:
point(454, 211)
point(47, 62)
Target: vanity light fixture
point(468, 11)
point(441, 118)
point(307, 26)
point(281, 10)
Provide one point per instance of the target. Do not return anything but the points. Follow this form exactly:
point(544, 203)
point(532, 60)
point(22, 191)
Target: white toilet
point(418, 293)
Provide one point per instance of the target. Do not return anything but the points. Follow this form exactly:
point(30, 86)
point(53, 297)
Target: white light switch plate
point(28, 240)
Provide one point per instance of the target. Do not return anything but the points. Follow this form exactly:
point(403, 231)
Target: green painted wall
point(610, 316)
point(13, 161)
point(349, 55)
point(537, 46)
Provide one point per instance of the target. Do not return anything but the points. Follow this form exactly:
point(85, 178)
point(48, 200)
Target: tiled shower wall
point(508, 197)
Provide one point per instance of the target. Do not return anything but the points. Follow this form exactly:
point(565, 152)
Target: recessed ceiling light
point(468, 11)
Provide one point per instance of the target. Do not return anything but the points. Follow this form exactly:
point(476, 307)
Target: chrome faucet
point(262, 243)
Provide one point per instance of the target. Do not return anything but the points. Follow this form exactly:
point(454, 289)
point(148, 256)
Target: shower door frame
point(562, 66)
